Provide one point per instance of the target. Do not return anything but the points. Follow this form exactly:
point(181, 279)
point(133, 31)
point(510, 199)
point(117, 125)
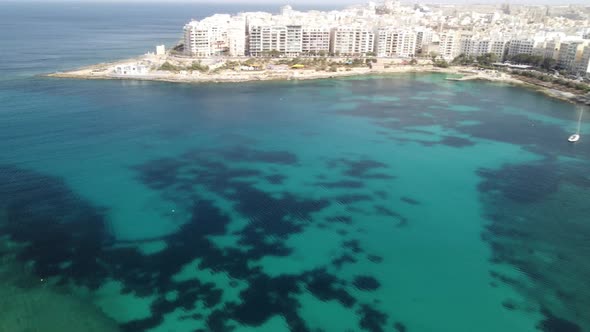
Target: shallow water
point(397, 203)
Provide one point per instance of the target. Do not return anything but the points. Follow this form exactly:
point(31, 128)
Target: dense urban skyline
point(310, 2)
point(557, 36)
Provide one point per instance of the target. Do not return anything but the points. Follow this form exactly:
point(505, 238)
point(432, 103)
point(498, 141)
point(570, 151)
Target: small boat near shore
point(574, 138)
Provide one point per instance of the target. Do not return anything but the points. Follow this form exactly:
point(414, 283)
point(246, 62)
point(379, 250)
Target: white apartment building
point(498, 48)
point(583, 67)
point(449, 45)
point(396, 43)
point(570, 55)
point(475, 47)
point(315, 39)
point(236, 36)
point(201, 39)
point(551, 50)
point(423, 39)
point(216, 35)
point(521, 46)
point(467, 46)
point(347, 40)
point(294, 40)
point(263, 39)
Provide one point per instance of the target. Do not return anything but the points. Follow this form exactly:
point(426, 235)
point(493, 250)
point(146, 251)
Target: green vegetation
point(536, 61)
point(197, 66)
point(548, 64)
point(441, 64)
point(271, 53)
point(487, 59)
point(250, 62)
point(554, 80)
point(167, 66)
point(525, 59)
point(463, 60)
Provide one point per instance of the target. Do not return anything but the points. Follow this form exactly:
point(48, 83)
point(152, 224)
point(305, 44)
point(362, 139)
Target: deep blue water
point(395, 203)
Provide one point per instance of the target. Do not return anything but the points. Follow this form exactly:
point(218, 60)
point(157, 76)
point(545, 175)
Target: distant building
point(551, 50)
point(423, 39)
point(583, 67)
point(347, 40)
point(160, 50)
point(396, 43)
point(203, 39)
point(520, 46)
point(449, 45)
point(294, 40)
point(131, 69)
point(263, 39)
point(570, 54)
point(215, 35)
point(391, 29)
point(236, 37)
point(498, 48)
point(315, 39)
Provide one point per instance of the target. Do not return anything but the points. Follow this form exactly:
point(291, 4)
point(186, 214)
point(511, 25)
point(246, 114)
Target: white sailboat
point(576, 137)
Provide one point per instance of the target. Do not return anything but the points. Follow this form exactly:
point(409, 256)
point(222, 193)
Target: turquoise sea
point(404, 203)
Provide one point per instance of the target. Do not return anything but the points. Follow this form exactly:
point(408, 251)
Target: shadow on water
point(538, 216)
point(537, 211)
point(68, 241)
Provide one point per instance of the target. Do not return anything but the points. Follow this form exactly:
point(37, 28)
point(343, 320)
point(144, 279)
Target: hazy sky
point(318, 2)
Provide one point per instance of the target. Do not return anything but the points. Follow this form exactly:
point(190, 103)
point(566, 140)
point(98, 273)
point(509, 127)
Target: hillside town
point(556, 37)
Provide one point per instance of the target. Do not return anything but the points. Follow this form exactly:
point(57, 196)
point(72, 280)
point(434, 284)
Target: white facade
point(396, 43)
point(294, 40)
point(498, 48)
point(263, 39)
point(391, 29)
point(449, 45)
point(570, 54)
point(131, 69)
point(475, 47)
point(583, 67)
point(215, 35)
point(423, 39)
point(352, 41)
point(160, 50)
point(315, 39)
point(204, 39)
point(551, 50)
point(236, 37)
point(520, 46)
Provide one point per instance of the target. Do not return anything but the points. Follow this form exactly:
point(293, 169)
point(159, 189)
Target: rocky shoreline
point(108, 71)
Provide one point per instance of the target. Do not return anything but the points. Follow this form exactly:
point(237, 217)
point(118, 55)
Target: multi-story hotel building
point(583, 67)
point(396, 43)
point(449, 44)
point(346, 40)
point(521, 46)
point(263, 39)
point(315, 39)
point(570, 54)
point(294, 40)
point(215, 35)
point(498, 48)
